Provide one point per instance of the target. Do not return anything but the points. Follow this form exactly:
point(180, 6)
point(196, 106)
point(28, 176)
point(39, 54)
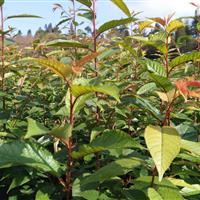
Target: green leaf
point(165, 188)
point(144, 24)
point(4, 134)
point(147, 106)
point(90, 194)
point(164, 145)
point(1, 2)
point(184, 58)
point(189, 191)
point(108, 140)
point(79, 104)
point(41, 195)
point(66, 43)
point(153, 194)
point(198, 26)
point(155, 67)
point(18, 180)
point(87, 3)
point(162, 82)
point(113, 24)
point(63, 21)
point(35, 129)
point(190, 157)
point(78, 90)
point(122, 6)
point(181, 183)
point(173, 25)
point(22, 16)
point(62, 132)
point(131, 194)
point(19, 153)
point(57, 67)
point(193, 147)
point(146, 88)
point(113, 169)
point(158, 37)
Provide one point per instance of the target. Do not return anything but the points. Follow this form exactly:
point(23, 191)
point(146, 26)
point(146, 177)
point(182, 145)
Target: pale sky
point(105, 10)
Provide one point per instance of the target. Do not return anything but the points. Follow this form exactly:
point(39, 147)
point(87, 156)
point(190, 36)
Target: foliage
point(100, 113)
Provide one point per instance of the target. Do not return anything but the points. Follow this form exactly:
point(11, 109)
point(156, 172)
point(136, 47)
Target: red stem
point(154, 172)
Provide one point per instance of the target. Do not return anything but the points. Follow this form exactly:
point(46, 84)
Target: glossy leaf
point(161, 82)
point(108, 140)
point(122, 6)
point(155, 67)
point(193, 147)
point(146, 88)
point(78, 90)
point(191, 191)
point(113, 169)
point(184, 58)
point(173, 25)
point(35, 129)
point(62, 132)
point(164, 145)
point(189, 157)
point(165, 188)
point(57, 67)
point(144, 24)
point(180, 182)
point(19, 153)
point(66, 44)
point(113, 24)
point(146, 105)
point(153, 194)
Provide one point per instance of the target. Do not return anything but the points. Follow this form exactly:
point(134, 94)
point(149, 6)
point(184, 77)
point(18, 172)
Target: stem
point(166, 120)
point(154, 172)
point(3, 63)
point(69, 148)
point(97, 114)
point(94, 33)
point(69, 142)
point(167, 56)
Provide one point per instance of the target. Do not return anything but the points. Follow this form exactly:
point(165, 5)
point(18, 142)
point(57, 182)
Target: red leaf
point(77, 66)
point(182, 86)
point(159, 20)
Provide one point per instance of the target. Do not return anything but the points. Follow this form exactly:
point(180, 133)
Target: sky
point(105, 11)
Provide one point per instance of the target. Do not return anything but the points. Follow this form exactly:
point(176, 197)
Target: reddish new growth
point(183, 87)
